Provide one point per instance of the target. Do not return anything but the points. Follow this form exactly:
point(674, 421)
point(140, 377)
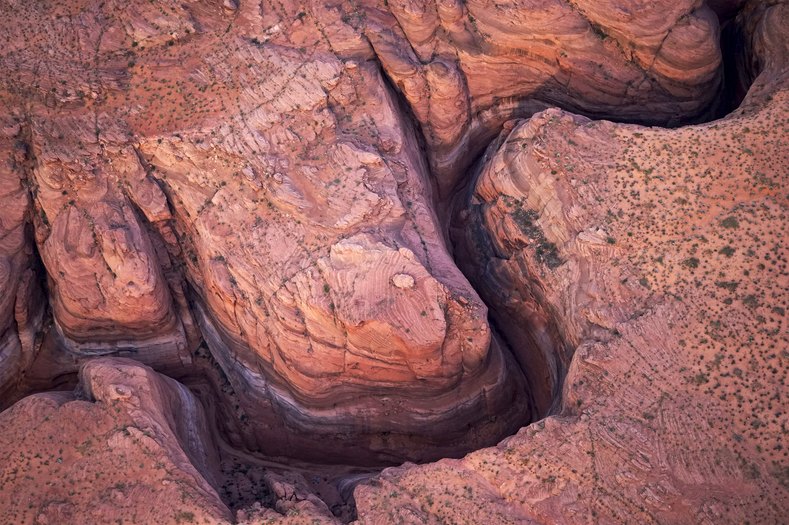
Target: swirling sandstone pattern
point(655, 252)
point(466, 67)
point(185, 174)
point(21, 298)
point(273, 181)
point(139, 439)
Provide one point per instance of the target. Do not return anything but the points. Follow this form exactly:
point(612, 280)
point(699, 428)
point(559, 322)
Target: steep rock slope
point(244, 175)
point(466, 67)
point(655, 253)
point(22, 302)
point(130, 443)
point(176, 156)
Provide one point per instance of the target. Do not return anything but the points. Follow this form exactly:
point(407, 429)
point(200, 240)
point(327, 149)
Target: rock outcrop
point(273, 202)
point(129, 443)
point(653, 252)
point(248, 177)
point(466, 67)
point(194, 182)
point(22, 302)
point(108, 287)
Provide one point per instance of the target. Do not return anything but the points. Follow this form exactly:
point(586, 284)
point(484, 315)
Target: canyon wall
point(467, 67)
point(250, 178)
point(329, 221)
point(654, 252)
point(138, 440)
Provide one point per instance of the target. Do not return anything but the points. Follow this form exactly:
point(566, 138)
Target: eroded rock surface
point(246, 177)
point(22, 302)
point(466, 67)
point(130, 443)
point(255, 198)
point(654, 251)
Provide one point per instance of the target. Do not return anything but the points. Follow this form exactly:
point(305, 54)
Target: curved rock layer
point(130, 443)
point(658, 254)
point(466, 67)
point(22, 302)
point(243, 175)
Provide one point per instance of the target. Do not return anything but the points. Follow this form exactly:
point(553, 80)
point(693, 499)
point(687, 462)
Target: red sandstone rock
point(466, 67)
point(235, 171)
point(242, 176)
point(21, 300)
point(131, 444)
point(654, 251)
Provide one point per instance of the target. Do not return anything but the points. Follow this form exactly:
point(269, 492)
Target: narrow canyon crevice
point(536, 342)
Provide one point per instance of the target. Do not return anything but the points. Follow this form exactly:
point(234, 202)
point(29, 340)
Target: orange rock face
point(653, 252)
point(284, 207)
point(21, 298)
point(275, 205)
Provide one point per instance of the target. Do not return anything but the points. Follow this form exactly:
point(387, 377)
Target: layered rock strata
point(22, 300)
point(195, 176)
point(655, 253)
point(466, 67)
point(245, 176)
point(129, 443)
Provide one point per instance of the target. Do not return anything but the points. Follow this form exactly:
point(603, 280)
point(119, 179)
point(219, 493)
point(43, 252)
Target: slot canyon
point(394, 261)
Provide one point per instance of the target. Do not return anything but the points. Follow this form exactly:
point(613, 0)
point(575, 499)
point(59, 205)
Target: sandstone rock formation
point(21, 299)
point(466, 67)
point(187, 183)
point(178, 155)
point(272, 203)
point(654, 253)
point(130, 444)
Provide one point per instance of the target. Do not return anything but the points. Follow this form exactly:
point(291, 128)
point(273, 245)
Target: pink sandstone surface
point(253, 253)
